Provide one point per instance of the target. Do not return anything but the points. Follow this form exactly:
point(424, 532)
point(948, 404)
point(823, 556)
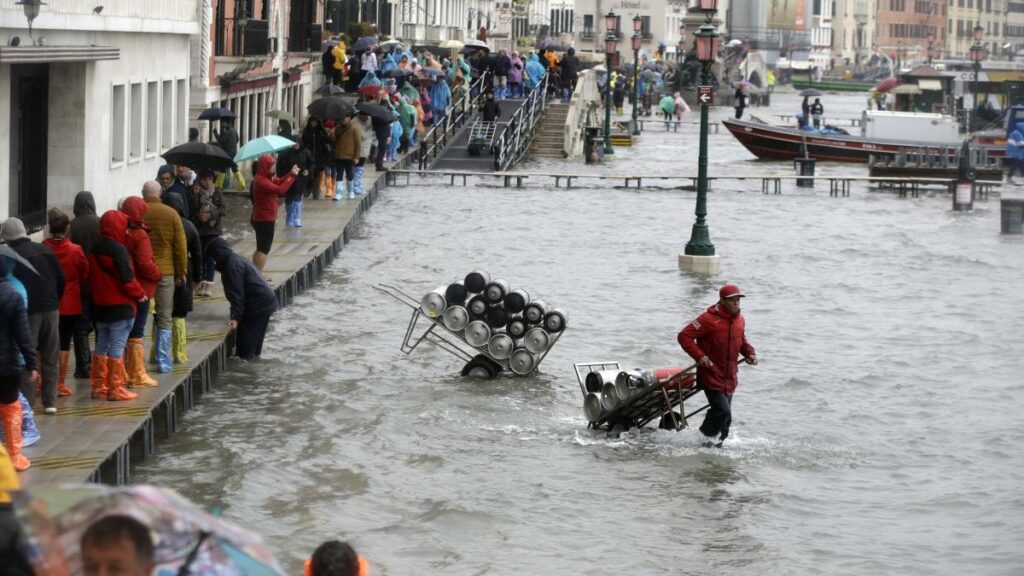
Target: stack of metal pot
point(504, 323)
point(607, 390)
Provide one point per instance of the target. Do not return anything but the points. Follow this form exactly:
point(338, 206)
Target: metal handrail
point(436, 140)
point(511, 146)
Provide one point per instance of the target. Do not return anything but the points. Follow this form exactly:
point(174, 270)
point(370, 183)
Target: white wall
point(79, 143)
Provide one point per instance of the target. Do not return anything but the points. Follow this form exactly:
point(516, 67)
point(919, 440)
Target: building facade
point(853, 31)
point(90, 99)
point(904, 29)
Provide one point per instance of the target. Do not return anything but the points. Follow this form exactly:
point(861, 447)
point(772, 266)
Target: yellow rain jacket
point(8, 477)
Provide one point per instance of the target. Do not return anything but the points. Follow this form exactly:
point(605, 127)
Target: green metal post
point(974, 113)
point(700, 239)
point(608, 106)
point(636, 91)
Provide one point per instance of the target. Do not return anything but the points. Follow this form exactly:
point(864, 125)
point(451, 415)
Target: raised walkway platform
point(96, 440)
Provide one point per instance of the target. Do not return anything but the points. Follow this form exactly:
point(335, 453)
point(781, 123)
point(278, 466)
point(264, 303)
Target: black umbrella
point(8, 252)
point(331, 107)
point(199, 156)
point(330, 90)
point(364, 43)
point(810, 92)
point(216, 114)
point(376, 111)
point(398, 73)
point(474, 45)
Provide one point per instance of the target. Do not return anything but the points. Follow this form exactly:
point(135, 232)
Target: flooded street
point(879, 434)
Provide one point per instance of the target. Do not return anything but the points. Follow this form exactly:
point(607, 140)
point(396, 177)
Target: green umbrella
point(260, 146)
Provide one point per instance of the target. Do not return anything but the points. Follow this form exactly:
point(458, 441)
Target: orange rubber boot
point(135, 357)
point(115, 381)
point(98, 377)
point(10, 414)
point(65, 359)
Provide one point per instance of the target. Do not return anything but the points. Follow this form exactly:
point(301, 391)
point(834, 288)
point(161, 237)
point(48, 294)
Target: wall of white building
point(110, 120)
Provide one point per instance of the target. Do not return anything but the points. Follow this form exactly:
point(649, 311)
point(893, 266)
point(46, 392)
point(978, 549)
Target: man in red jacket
point(715, 340)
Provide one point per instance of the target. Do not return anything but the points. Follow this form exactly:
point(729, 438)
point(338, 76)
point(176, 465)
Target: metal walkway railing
point(514, 142)
point(436, 140)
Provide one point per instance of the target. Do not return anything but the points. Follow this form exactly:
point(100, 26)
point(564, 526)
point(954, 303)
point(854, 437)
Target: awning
point(54, 54)
point(930, 84)
point(907, 89)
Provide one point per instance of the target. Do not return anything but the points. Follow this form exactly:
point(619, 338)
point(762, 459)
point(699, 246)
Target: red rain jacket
point(76, 271)
point(719, 337)
point(139, 246)
point(266, 188)
point(112, 285)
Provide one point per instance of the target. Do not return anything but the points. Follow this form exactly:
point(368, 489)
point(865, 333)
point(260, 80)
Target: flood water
point(881, 432)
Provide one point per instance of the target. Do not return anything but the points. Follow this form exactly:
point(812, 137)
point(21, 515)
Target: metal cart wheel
point(481, 367)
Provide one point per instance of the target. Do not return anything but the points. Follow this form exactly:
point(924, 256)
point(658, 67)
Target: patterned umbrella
point(186, 539)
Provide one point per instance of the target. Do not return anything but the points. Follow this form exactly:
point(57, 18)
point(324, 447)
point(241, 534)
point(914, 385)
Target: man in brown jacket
point(348, 144)
point(167, 235)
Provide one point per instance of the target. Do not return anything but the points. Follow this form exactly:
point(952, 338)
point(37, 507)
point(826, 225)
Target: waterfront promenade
point(97, 440)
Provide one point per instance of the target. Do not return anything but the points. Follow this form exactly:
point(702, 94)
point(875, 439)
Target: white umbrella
point(735, 42)
point(451, 44)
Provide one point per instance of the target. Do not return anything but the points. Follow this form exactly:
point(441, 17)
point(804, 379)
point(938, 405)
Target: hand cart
point(479, 362)
point(481, 137)
point(645, 403)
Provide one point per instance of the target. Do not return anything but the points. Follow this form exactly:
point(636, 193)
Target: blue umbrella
point(260, 146)
point(364, 43)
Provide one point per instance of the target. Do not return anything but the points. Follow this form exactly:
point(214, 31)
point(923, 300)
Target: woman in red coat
point(115, 294)
point(76, 271)
point(716, 340)
point(148, 274)
point(266, 188)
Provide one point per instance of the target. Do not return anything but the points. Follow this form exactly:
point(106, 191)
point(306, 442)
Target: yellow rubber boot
point(179, 342)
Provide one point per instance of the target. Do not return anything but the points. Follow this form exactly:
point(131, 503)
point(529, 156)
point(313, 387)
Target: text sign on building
point(705, 95)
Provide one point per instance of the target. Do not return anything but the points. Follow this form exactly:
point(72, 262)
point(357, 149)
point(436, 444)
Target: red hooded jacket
point(720, 337)
point(112, 285)
point(139, 246)
point(266, 188)
point(76, 272)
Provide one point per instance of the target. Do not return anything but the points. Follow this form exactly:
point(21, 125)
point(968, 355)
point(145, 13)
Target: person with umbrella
point(46, 286)
point(17, 356)
point(208, 211)
point(228, 140)
point(318, 142)
point(805, 112)
point(266, 187)
point(327, 66)
point(347, 141)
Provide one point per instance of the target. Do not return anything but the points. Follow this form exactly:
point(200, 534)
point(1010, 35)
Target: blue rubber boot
point(163, 350)
point(357, 179)
point(29, 431)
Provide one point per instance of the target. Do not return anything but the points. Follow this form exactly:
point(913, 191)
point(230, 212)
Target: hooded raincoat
point(266, 188)
point(534, 70)
point(112, 284)
point(139, 246)
point(85, 228)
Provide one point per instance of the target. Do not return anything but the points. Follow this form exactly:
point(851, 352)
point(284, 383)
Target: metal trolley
point(479, 362)
point(647, 403)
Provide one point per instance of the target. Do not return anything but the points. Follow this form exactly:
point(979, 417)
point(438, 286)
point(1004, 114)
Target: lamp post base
point(707, 265)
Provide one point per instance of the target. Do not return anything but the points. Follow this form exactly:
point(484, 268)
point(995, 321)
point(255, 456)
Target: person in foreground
point(117, 544)
point(335, 558)
point(715, 340)
point(252, 300)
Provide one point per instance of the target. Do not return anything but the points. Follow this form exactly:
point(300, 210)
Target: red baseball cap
point(730, 291)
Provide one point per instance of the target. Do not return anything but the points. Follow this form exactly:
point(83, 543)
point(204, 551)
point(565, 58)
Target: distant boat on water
point(801, 82)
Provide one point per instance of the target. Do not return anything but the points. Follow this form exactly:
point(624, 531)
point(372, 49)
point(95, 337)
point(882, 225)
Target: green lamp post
point(611, 44)
point(977, 57)
point(708, 42)
point(638, 24)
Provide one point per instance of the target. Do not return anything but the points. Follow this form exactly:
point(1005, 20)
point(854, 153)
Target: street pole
point(974, 89)
point(636, 92)
point(608, 105)
point(699, 255)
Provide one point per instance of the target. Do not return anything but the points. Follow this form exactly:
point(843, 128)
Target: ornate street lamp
point(708, 42)
point(638, 25)
point(611, 44)
point(31, 9)
point(977, 57)
point(681, 51)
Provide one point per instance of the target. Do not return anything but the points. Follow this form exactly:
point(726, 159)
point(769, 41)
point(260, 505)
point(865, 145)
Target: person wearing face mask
point(716, 340)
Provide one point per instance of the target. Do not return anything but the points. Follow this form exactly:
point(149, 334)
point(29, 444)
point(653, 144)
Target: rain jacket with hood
point(266, 188)
point(138, 244)
point(76, 271)
point(244, 286)
point(47, 286)
point(534, 70)
point(213, 201)
point(15, 334)
point(389, 64)
point(721, 338)
point(515, 73)
point(440, 97)
point(85, 228)
point(1015, 143)
point(112, 283)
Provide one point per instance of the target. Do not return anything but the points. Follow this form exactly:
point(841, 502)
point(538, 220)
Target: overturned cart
point(616, 400)
point(487, 349)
